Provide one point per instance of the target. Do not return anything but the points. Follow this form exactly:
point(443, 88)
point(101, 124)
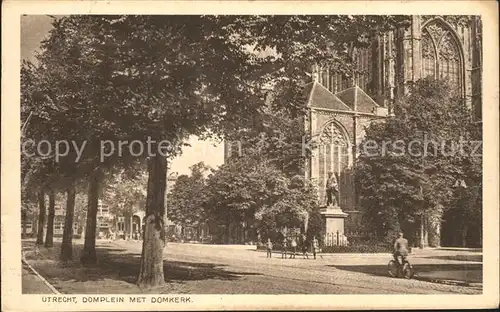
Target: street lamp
point(459, 186)
point(422, 216)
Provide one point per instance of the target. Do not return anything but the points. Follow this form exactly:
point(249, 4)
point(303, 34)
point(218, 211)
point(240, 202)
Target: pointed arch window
point(440, 54)
point(334, 155)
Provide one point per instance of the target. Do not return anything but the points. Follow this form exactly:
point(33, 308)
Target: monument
point(333, 214)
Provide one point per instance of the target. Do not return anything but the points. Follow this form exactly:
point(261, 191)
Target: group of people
point(113, 236)
point(290, 246)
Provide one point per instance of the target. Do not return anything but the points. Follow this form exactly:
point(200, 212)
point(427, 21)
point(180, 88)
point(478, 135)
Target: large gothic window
point(334, 155)
point(440, 54)
point(428, 56)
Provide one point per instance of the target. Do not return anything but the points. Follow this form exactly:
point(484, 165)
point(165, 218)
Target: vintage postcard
point(229, 155)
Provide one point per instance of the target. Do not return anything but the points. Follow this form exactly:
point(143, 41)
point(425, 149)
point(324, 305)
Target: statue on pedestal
point(332, 190)
point(333, 215)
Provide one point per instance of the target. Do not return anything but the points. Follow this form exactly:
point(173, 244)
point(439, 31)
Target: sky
point(35, 28)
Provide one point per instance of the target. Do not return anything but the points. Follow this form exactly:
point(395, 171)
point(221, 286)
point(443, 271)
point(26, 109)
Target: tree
point(66, 92)
point(67, 241)
point(293, 210)
point(409, 163)
point(186, 200)
point(28, 208)
point(277, 136)
point(34, 170)
point(240, 189)
point(125, 192)
point(49, 239)
point(41, 217)
point(251, 189)
point(316, 226)
point(74, 212)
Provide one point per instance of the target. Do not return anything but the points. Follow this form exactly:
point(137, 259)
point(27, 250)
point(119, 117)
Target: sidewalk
point(32, 284)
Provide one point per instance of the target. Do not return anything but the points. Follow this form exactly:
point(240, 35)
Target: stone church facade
point(437, 46)
point(444, 47)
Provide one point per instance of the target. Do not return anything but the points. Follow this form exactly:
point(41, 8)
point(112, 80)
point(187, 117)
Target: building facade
point(442, 47)
point(29, 223)
point(123, 226)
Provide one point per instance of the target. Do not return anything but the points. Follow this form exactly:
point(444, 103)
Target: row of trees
point(125, 78)
point(247, 191)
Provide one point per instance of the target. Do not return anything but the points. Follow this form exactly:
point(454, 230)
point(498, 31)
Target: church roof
point(321, 97)
point(364, 103)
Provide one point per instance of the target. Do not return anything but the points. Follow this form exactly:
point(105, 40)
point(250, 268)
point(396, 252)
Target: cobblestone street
point(203, 269)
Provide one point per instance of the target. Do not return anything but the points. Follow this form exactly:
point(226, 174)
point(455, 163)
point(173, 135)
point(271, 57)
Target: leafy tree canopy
point(186, 200)
point(409, 163)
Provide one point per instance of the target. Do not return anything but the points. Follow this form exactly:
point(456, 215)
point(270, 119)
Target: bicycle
point(395, 269)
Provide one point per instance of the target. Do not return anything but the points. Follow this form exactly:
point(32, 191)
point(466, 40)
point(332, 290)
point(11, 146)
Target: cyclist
point(400, 249)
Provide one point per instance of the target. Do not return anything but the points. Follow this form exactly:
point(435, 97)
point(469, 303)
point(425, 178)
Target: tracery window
point(334, 155)
point(440, 54)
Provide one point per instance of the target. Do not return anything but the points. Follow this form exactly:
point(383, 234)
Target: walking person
point(269, 246)
point(305, 246)
point(315, 246)
point(293, 244)
point(284, 247)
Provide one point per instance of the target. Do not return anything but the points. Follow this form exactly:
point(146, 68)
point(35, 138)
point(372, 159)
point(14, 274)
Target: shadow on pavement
point(466, 273)
point(472, 258)
point(460, 249)
point(117, 264)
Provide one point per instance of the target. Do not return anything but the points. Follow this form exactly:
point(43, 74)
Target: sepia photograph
point(168, 156)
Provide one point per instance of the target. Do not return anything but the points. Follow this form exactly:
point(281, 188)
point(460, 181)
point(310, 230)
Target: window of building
point(428, 56)
point(58, 226)
point(104, 209)
point(121, 226)
point(75, 227)
point(440, 54)
point(28, 225)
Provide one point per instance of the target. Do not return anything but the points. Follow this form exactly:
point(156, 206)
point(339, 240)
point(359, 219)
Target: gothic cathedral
point(444, 47)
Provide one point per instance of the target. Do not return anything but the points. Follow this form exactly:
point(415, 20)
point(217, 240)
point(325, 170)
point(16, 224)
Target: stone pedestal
point(334, 219)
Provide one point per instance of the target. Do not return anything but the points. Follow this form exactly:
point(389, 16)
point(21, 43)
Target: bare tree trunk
point(23, 218)
point(89, 254)
point(131, 226)
point(165, 216)
point(67, 241)
point(151, 272)
point(421, 236)
point(41, 217)
point(465, 229)
point(49, 238)
point(434, 229)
